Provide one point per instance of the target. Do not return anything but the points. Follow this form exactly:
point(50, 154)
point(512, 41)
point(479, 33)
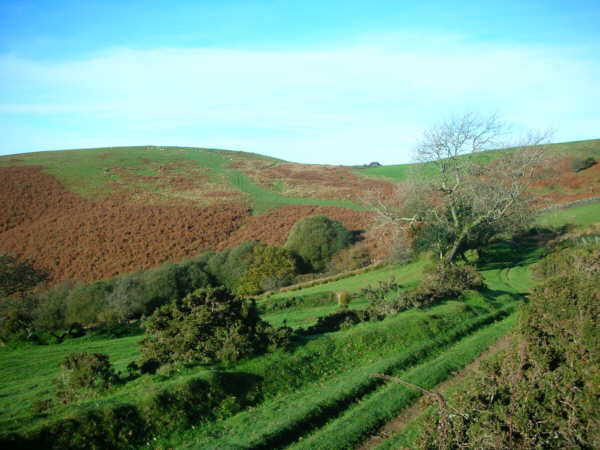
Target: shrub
point(579, 164)
point(445, 280)
point(126, 301)
point(270, 267)
point(316, 239)
point(351, 258)
point(85, 302)
point(343, 299)
point(228, 266)
point(18, 276)
point(84, 371)
point(16, 317)
point(544, 392)
point(208, 325)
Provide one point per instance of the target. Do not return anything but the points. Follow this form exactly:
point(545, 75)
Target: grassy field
point(399, 172)
point(301, 390)
point(583, 215)
point(94, 173)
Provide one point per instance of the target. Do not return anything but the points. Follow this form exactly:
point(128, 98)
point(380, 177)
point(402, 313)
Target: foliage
point(545, 391)
point(270, 267)
point(18, 276)
point(316, 239)
point(466, 202)
point(440, 282)
point(579, 164)
point(16, 317)
point(351, 258)
point(83, 370)
point(208, 325)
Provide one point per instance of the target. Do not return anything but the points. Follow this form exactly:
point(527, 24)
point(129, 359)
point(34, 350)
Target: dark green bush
point(316, 239)
point(91, 371)
point(16, 317)
point(579, 164)
point(18, 276)
point(206, 326)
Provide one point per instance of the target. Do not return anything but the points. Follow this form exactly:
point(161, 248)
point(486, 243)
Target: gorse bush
point(91, 371)
point(207, 326)
point(441, 281)
point(316, 239)
point(544, 392)
point(579, 164)
point(269, 267)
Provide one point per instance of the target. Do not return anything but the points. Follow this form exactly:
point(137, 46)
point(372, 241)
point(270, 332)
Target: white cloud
point(345, 105)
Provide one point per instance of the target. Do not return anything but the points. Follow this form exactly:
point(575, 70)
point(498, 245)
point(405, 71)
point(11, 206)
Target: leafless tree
point(469, 195)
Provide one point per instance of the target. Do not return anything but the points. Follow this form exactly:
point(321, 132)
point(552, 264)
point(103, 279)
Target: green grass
point(408, 273)
point(94, 173)
point(365, 417)
point(393, 345)
point(300, 390)
point(583, 215)
point(400, 172)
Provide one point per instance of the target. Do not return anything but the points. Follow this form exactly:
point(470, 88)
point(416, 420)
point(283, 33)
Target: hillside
point(90, 214)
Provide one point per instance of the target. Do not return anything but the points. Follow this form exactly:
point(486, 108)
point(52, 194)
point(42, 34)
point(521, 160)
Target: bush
point(544, 392)
point(579, 164)
point(270, 267)
point(444, 280)
point(84, 371)
point(316, 239)
point(207, 326)
point(228, 266)
point(16, 317)
point(126, 301)
point(351, 258)
point(18, 276)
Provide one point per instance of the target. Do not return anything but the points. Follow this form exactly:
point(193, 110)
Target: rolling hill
point(96, 213)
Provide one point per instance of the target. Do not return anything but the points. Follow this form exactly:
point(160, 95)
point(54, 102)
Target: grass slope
point(399, 172)
point(93, 173)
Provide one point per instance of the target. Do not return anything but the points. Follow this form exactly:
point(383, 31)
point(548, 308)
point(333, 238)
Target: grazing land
point(96, 214)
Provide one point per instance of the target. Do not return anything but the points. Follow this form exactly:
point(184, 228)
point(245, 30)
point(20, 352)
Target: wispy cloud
point(342, 105)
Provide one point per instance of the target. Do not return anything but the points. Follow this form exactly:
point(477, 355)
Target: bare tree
point(470, 195)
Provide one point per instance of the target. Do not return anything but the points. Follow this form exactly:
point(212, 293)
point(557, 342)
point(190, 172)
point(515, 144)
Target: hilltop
point(90, 214)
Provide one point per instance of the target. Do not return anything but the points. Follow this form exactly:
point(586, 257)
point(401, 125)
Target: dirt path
point(401, 420)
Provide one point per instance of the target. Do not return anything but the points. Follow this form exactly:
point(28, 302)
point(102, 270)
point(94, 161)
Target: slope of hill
point(90, 214)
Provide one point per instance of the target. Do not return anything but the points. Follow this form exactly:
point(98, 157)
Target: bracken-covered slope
point(91, 214)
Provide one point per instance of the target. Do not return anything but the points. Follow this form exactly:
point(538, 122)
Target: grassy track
point(364, 418)
point(279, 421)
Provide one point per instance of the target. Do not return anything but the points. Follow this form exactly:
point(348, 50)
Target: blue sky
point(312, 81)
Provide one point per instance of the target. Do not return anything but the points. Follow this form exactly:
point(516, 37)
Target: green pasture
point(583, 215)
point(93, 173)
point(399, 172)
point(323, 384)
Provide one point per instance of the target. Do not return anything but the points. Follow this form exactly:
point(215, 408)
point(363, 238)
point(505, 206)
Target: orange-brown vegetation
point(274, 226)
point(78, 239)
point(331, 182)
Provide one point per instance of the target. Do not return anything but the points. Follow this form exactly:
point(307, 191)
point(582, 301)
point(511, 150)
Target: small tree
point(18, 276)
point(316, 239)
